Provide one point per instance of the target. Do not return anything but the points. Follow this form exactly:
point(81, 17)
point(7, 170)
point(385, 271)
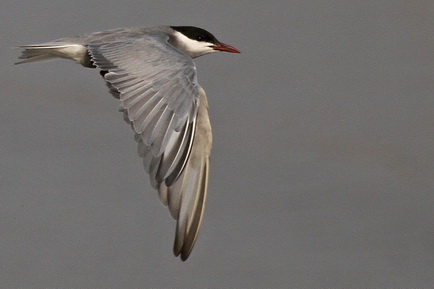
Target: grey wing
point(160, 96)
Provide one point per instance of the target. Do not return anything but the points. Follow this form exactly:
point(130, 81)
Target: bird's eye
point(199, 38)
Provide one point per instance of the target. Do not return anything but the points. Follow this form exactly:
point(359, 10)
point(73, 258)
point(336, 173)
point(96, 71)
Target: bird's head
point(196, 41)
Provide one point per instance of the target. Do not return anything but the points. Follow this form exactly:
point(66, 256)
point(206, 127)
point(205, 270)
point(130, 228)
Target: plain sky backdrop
point(322, 165)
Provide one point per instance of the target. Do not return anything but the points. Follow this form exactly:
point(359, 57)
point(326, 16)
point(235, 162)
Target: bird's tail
point(47, 51)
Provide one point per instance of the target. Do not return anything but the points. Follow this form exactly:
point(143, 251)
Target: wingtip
point(184, 258)
point(181, 247)
point(21, 61)
point(183, 254)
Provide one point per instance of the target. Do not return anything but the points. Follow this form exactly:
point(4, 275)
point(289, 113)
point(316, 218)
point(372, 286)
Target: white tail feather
point(40, 52)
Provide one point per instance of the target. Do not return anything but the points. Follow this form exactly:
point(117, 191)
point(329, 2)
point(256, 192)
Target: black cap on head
point(196, 33)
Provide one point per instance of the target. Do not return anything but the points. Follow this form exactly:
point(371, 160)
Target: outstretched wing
point(158, 88)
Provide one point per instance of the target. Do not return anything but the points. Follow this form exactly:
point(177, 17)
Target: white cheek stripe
point(192, 47)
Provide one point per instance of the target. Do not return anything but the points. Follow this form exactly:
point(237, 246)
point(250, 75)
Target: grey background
point(322, 167)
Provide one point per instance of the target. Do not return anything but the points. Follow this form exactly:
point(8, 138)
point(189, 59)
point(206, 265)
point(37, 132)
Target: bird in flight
point(151, 71)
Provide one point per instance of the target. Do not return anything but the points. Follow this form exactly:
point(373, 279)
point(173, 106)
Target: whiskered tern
point(151, 71)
